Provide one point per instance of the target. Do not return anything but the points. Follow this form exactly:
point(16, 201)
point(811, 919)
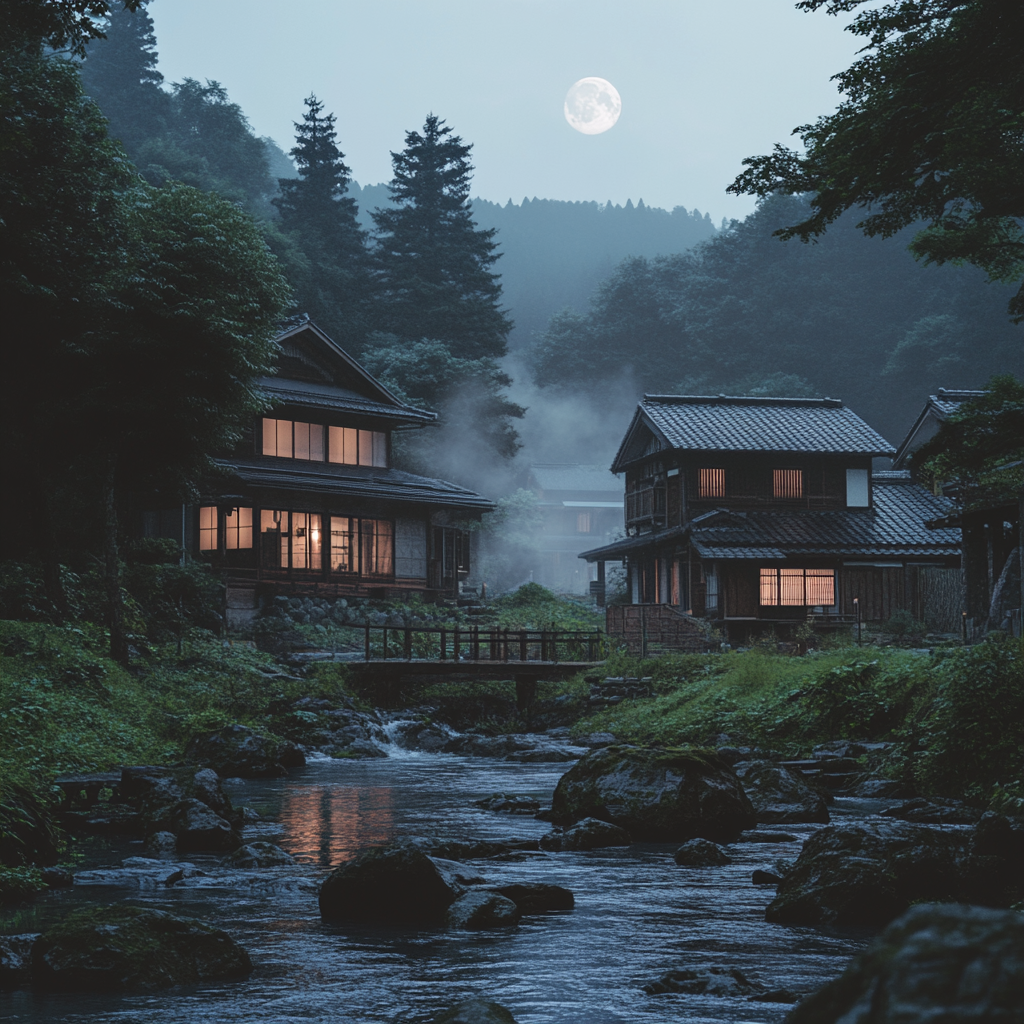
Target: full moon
point(592, 106)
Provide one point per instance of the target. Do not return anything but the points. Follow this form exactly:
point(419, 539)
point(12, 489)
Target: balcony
point(646, 505)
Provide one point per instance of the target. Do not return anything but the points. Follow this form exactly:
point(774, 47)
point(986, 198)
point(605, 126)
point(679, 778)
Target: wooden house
point(761, 512)
point(993, 557)
point(580, 506)
point(310, 503)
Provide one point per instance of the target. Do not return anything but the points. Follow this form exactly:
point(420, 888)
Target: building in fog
point(581, 507)
point(309, 503)
point(763, 512)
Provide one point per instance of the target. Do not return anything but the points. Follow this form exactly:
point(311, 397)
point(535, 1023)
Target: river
point(637, 915)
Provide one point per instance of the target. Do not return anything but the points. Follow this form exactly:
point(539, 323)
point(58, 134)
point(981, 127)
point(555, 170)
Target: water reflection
point(329, 825)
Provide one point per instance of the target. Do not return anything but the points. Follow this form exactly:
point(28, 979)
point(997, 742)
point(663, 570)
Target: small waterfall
point(412, 737)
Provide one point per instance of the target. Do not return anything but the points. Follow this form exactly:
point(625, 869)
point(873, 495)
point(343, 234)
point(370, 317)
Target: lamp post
point(856, 611)
point(963, 626)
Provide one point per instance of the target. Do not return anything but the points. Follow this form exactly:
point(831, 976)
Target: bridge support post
point(526, 691)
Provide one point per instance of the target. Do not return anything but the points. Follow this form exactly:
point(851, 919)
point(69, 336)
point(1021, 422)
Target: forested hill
point(556, 253)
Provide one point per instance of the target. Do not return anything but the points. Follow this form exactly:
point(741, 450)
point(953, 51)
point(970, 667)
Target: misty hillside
point(556, 253)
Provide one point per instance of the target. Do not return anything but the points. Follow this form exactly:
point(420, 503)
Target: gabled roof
point(936, 411)
point(314, 371)
point(895, 527)
point(723, 423)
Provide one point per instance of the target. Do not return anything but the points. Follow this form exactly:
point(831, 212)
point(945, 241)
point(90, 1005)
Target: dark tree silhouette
point(434, 264)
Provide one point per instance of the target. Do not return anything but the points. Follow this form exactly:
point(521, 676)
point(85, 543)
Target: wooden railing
point(433, 643)
point(645, 504)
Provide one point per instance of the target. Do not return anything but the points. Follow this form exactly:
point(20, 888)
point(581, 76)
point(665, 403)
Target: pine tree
point(332, 282)
point(434, 265)
point(121, 75)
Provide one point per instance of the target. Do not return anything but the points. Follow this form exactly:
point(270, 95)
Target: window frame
point(711, 482)
point(783, 477)
point(778, 583)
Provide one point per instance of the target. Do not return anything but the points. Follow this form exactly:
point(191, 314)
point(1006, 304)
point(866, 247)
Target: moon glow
point(592, 106)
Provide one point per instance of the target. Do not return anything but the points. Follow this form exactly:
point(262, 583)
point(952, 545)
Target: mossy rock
point(476, 1011)
point(133, 949)
point(658, 794)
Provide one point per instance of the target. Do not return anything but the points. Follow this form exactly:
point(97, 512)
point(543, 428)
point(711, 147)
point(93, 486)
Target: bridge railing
point(471, 643)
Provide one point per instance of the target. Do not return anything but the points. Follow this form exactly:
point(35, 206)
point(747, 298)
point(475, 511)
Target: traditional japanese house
point(761, 512)
point(310, 502)
point(580, 506)
point(993, 557)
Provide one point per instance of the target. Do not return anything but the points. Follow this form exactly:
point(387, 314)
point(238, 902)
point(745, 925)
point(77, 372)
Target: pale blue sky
point(703, 84)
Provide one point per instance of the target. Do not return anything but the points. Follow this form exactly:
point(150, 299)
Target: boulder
point(701, 853)
point(761, 876)
point(729, 982)
point(780, 796)
point(482, 910)
point(132, 949)
point(547, 755)
point(537, 897)
point(936, 811)
point(196, 827)
point(163, 843)
point(393, 884)
point(508, 803)
point(149, 786)
point(993, 875)
point(258, 855)
point(207, 788)
point(16, 960)
point(472, 745)
point(768, 837)
point(588, 834)
point(476, 1011)
point(657, 794)
point(868, 875)
point(358, 749)
point(949, 963)
point(238, 751)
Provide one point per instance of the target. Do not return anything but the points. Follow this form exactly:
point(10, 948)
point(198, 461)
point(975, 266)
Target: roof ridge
point(828, 403)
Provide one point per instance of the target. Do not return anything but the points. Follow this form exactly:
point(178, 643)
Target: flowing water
point(637, 915)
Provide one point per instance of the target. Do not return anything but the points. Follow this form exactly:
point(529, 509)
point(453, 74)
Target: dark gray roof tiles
point(724, 423)
point(284, 391)
point(354, 481)
point(947, 400)
point(894, 528)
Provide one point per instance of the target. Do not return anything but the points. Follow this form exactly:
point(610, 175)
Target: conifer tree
point(433, 263)
point(332, 283)
point(120, 73)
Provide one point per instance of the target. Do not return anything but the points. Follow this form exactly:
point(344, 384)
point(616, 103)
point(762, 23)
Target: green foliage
point(972, 734)
point(532, 606)
point(980, 447)
point(19, 884)
point(23, 593)
point(696, 322)
point(175, 598)
point(58, 24)
point(902, 624)
point(930, 130)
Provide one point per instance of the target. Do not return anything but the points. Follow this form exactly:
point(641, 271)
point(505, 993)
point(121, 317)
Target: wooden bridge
point(391, 653)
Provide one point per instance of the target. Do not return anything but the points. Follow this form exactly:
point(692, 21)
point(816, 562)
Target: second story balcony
point(646, 506)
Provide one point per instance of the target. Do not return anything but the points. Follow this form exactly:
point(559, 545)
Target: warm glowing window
point(342, 550)
point(583, 522)
point(291, 439)
point(711, 483)
point(238, 529)
point(277, 438)
point(349, 446)
point(309, 441)
point(208, 528)
point(307, 540)
point(788, 483)
point(274, 539)
point(798, 587)
point(377, 542)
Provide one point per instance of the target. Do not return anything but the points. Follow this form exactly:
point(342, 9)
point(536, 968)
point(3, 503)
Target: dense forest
point(846, 316)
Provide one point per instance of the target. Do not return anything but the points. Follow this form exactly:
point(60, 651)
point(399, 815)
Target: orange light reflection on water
point(331, 824)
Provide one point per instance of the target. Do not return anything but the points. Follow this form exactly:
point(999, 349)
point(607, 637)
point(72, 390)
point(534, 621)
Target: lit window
point(378, 545)
point(711, 483)
point(583, 522)
point(710, 589)
point(238, 529)
point(798, 587)
point(288, 439)
point(274, 539)
point(309, 441)
point(349, 446)
point(789, 483)
point(341, 543)
point(208, 528)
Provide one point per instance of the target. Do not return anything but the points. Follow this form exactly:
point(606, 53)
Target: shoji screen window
point(377, 539)
point(307, 541)
point(798, 587)
point(274, 535)
point(238, 529)
point(343, 550)
point(208, 528)
point(349, 446)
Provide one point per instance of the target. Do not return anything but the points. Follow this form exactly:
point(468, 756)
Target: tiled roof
point(571, 477)
point(947, 400)
point(283, 391)
point(895, 527)
point(352, 481)
point(724, 423)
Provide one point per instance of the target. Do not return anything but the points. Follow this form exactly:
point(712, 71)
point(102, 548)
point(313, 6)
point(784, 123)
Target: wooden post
point(601, 584)
point(408, 644)
point(505, 651)
point(444, 643)
point(522, 645)
point(455, 645)
point(367, 639)
point(476, 643)
point(384, 643)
